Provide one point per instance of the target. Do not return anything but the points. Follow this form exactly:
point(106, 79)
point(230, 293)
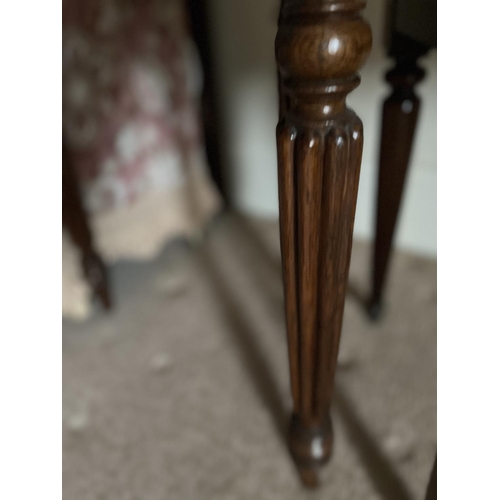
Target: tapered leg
point(319, 48)
point(399, 119)
point(75, 221)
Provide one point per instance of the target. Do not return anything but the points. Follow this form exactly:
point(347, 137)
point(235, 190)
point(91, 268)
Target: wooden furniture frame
point(320, 46)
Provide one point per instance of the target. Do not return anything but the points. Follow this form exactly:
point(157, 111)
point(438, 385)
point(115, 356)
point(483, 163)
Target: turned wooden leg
point(320, 45)
point(75, 221)
point(400, 113)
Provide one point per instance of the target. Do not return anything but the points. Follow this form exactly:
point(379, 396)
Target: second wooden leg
point(399, 119)
point(75, 221)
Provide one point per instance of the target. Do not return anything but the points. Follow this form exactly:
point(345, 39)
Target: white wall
point(243, 34)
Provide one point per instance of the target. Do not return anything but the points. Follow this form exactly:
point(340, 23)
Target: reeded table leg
point(399, 119)
point(319, 47)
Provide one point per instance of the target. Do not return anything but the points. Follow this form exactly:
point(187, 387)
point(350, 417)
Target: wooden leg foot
point(311, 447)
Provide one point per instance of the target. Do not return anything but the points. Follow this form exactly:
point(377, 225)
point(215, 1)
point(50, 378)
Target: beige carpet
point(182, 392)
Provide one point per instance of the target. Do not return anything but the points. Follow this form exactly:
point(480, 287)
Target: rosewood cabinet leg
point(400, 113)
point(75, 221)
point(320, 45)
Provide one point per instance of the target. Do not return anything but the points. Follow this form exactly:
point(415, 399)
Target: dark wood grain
point(399, 120)
point(320, 45)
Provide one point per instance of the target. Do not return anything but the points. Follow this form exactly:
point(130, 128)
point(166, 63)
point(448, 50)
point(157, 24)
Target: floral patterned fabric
point(131, 83)
point(129, 113)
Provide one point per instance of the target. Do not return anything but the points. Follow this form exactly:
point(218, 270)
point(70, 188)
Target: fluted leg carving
point(319, 47)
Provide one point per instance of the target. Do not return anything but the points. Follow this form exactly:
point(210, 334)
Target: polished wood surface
point(320, 45)
point(74, 219)
point(399, 120)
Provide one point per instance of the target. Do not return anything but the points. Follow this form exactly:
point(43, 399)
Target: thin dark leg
point(74, 219)
point(400, 113)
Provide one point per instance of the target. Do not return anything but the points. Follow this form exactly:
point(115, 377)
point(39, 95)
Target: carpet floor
point(182, 392)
